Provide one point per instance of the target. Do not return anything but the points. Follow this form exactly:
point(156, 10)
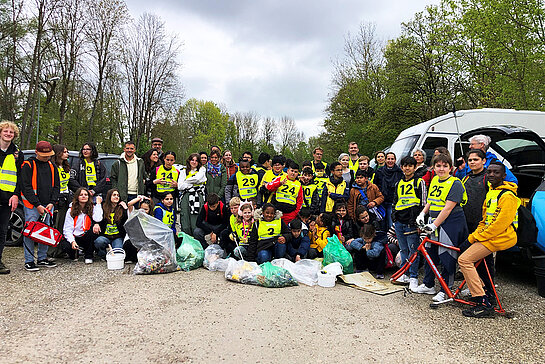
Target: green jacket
point(217, 185)
point(119, 175)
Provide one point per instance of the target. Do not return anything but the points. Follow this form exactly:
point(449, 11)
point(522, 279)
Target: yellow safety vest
point(64, 177)
point(314, 169)
point(90, 174)
point(491, 203)
point(240, 230)
point(111, 228)
point(271, 229)
point(354, 165)
point(320, 183)
point(269, 176)
point(288, 192)
point(257, 169)
point(168, 216)
point(247, 184)
point(191, 174)
point(308, 191)
point(332, 189)
point(8, 174)
point(437, 195)
point(168, 175)
point(406, 194)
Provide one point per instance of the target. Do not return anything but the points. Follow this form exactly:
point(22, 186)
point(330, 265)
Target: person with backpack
point(213, 218)
point(366, 193)
point(495, 232)
point(409, 200)
point(40, 188)
point(90, 173)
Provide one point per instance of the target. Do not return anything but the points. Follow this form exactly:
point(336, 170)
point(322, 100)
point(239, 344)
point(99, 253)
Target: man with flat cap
point(157, 143)
point(39, 192)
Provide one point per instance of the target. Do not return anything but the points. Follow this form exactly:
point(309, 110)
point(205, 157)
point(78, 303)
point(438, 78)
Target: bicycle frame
point(451, 296)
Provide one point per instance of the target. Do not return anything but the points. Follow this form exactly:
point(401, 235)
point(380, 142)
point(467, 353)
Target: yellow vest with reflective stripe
point(269, 176)
point(64, 177)
point(8, 174)
point(354, 165)
point(314, 169)
point(320, 183)
point(111, 228)
point(332, 189)
point(288, 192)
point(308, 191)
point(271, 229)
point(406, 194)
point(239, 229)
point(90, 174)
point(168, 175)
point(247, 184)
point(491, 203)
point(437, 195)
point(168, 216)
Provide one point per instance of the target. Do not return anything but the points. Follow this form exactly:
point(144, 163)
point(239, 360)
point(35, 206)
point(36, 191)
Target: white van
point(443, 130)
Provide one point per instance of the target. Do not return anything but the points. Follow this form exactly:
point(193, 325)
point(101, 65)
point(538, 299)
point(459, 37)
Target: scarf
point(213, 170)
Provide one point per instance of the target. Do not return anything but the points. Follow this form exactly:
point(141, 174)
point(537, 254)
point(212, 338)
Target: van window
point(457, 152)
point(430, 144)
point(403, 147)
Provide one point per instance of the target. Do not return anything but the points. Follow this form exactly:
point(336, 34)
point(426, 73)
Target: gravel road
point(78, 313)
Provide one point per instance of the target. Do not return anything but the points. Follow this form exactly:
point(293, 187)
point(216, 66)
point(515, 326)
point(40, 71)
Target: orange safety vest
point(86, 223)
point(35, 181)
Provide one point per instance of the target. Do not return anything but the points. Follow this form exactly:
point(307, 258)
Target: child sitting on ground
point(227, 244)
point(319, 232)
point(239, 229)
point(213, 218)
point(343, 226)
point(164, 211)
point(369, 251)
point(299, 244)
point(268, 234)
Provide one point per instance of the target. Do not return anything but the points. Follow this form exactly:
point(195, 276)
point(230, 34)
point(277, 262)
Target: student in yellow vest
point(287, 192)
point(268, 232)
point(354, 153)
point(363, 164)
point(447, 223)
point(495, 232)
point(40, 193)
point(277, 170)
point(10, 162)
point(164, 211)
point(63, 167)
point(80, 226)
point(165, 177)
point(191, 184)
point(239, 229)
point(320, 178)
point(111, 230)
point(336, 188)
point(311, 196)
point(90, 173)
point(244, 184)
point(409, 200)
point(317, 155)
point(263, 165)
point(227, 241)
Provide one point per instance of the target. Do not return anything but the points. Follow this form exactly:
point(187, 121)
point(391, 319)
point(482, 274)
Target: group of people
point(272, 207)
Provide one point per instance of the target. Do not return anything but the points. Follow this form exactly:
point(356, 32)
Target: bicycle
point(452, 296)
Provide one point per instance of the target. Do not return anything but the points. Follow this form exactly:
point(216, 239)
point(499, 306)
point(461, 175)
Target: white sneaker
point(88, 261)
point(465, 293)
point(441, 296)
point(422, 289)
point(413, 284)
point(402, 280)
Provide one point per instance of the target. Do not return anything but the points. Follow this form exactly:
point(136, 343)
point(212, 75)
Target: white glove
point(430, 228)
point(420, 219)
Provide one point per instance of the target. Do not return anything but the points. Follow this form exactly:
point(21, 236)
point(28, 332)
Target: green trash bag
point(190, 254)
point(334, 251)
point(275, 277)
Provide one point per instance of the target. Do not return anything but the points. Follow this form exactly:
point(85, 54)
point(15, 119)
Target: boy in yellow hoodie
point(495, 232)
point(319, 232)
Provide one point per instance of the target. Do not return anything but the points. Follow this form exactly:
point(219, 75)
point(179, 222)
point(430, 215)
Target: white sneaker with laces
point(441, 296)
point(402, 280)
point(422, 289)
point(88, 261)
point(413, 284)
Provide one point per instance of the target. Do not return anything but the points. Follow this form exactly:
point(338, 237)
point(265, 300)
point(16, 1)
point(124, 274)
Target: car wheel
point(14, 235)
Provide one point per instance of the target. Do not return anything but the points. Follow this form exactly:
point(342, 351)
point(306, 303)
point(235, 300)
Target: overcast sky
point(273, 57)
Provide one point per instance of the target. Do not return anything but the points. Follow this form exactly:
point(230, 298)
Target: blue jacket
point(301, 244)
point(377, 246)
point(490, 157)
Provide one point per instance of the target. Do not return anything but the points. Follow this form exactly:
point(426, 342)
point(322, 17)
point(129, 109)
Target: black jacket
point(77, 178)
point(19, 159)
point(213, 221)
point(46, 193)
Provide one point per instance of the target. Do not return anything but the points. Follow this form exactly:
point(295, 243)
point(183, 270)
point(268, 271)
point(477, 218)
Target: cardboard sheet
point(366, 282)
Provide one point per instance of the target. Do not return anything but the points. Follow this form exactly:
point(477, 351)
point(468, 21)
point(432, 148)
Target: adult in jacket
point(128, 173)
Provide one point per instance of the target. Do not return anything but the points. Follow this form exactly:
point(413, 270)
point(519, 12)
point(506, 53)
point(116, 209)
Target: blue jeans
point(266, 255)
point(407, 245)
point(102, 242)
point(34, 215)
point(388, 218)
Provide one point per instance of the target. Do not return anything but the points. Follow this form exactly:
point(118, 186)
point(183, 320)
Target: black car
point(14, 235)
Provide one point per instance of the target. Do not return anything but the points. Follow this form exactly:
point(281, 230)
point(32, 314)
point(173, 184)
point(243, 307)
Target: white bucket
point(116, 259)
point(326, 280)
